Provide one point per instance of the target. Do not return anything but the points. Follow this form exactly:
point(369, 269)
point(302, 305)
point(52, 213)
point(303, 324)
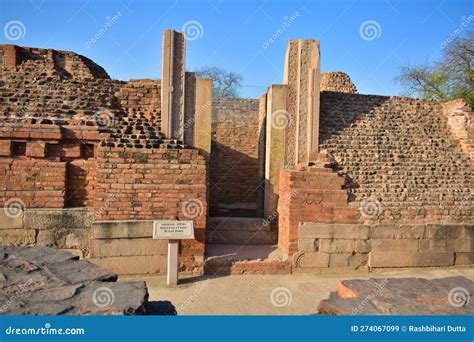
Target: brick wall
point(314, 195)
point(149, 184)
point(35, 183)
point(337, 81)
point(234, 167)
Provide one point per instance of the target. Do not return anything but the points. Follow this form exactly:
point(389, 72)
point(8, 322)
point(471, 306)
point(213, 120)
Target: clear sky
point(369, 40)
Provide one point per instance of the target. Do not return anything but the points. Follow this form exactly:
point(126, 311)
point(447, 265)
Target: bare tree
point(449, 78)
point(225, 84)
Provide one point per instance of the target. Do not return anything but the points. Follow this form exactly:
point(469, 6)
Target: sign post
point(173, 231)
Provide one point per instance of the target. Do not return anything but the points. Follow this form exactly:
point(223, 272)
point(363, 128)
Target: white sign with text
point(173, 230)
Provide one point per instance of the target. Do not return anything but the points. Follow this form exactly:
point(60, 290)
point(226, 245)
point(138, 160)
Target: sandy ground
point(297, 294)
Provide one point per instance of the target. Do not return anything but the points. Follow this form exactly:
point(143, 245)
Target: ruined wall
point(149, 184)
point(234, 166)
point(402, 189)
point(337, 81)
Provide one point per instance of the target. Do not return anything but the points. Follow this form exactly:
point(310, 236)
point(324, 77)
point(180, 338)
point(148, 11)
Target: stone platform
point(45, 281)
point(402, 296)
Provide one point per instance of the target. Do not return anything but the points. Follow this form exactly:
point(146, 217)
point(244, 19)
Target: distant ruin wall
point(337, 81)
point(234, 166)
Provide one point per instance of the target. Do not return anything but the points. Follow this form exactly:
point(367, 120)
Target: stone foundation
point(322, 245)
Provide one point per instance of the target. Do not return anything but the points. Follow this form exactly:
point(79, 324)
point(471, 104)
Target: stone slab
point(126, 247)
point(410, 259)
point(122, 229)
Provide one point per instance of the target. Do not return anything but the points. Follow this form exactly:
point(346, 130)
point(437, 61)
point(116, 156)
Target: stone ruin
point(312, 176)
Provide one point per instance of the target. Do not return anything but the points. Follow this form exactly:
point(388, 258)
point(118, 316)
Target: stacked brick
point(154, 184)
point(234, 162)
point(337, 81)
point(399, 158)
point(33, 183)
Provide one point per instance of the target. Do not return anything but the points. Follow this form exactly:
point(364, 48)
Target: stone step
point(224, 259)
point(241, 230)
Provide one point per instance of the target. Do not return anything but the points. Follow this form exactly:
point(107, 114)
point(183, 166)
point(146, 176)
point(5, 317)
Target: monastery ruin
point(312, 176)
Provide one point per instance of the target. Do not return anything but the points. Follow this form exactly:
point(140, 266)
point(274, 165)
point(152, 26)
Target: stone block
point(122, 229)
point(129, 265)
point(362, 246)
point(390, 231)
point(57, 218)
point(464, 245)
point(17, 237)
point(394, 245)
point(436, 245)
point(308, 245)
point(464, 259)
point(336, 246)
point(311, 260)
point(7, 222)
point(127, 247)
point(441, 231)
point(334, 231)
point(339, 259)
point(410, 259)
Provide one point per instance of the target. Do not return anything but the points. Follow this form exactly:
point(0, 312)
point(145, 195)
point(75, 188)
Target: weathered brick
point(394, 245)
point(336, 246)
point(334, 231)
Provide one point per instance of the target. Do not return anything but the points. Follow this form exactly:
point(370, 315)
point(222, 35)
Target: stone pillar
point(189, 109)
point(173, 84)
point(10, 56)
point(262, 122)
point(203, 115)
point(275, 145)
point(302, 76)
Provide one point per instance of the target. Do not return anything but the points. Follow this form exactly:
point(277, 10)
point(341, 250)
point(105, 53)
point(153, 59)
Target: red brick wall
point(147, 184)
point(234, 167)
point(37, 183)
point(310, 196)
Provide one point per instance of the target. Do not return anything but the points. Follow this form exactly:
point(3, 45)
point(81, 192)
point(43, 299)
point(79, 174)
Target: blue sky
point(234, 34)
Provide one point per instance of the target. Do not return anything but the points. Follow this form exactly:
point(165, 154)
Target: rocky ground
point(45, 281)
point(403, 296)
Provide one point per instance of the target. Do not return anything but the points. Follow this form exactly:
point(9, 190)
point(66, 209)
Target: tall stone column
point(275, 145)
point(302, 77)
point(173, 84)
point(202, 115)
